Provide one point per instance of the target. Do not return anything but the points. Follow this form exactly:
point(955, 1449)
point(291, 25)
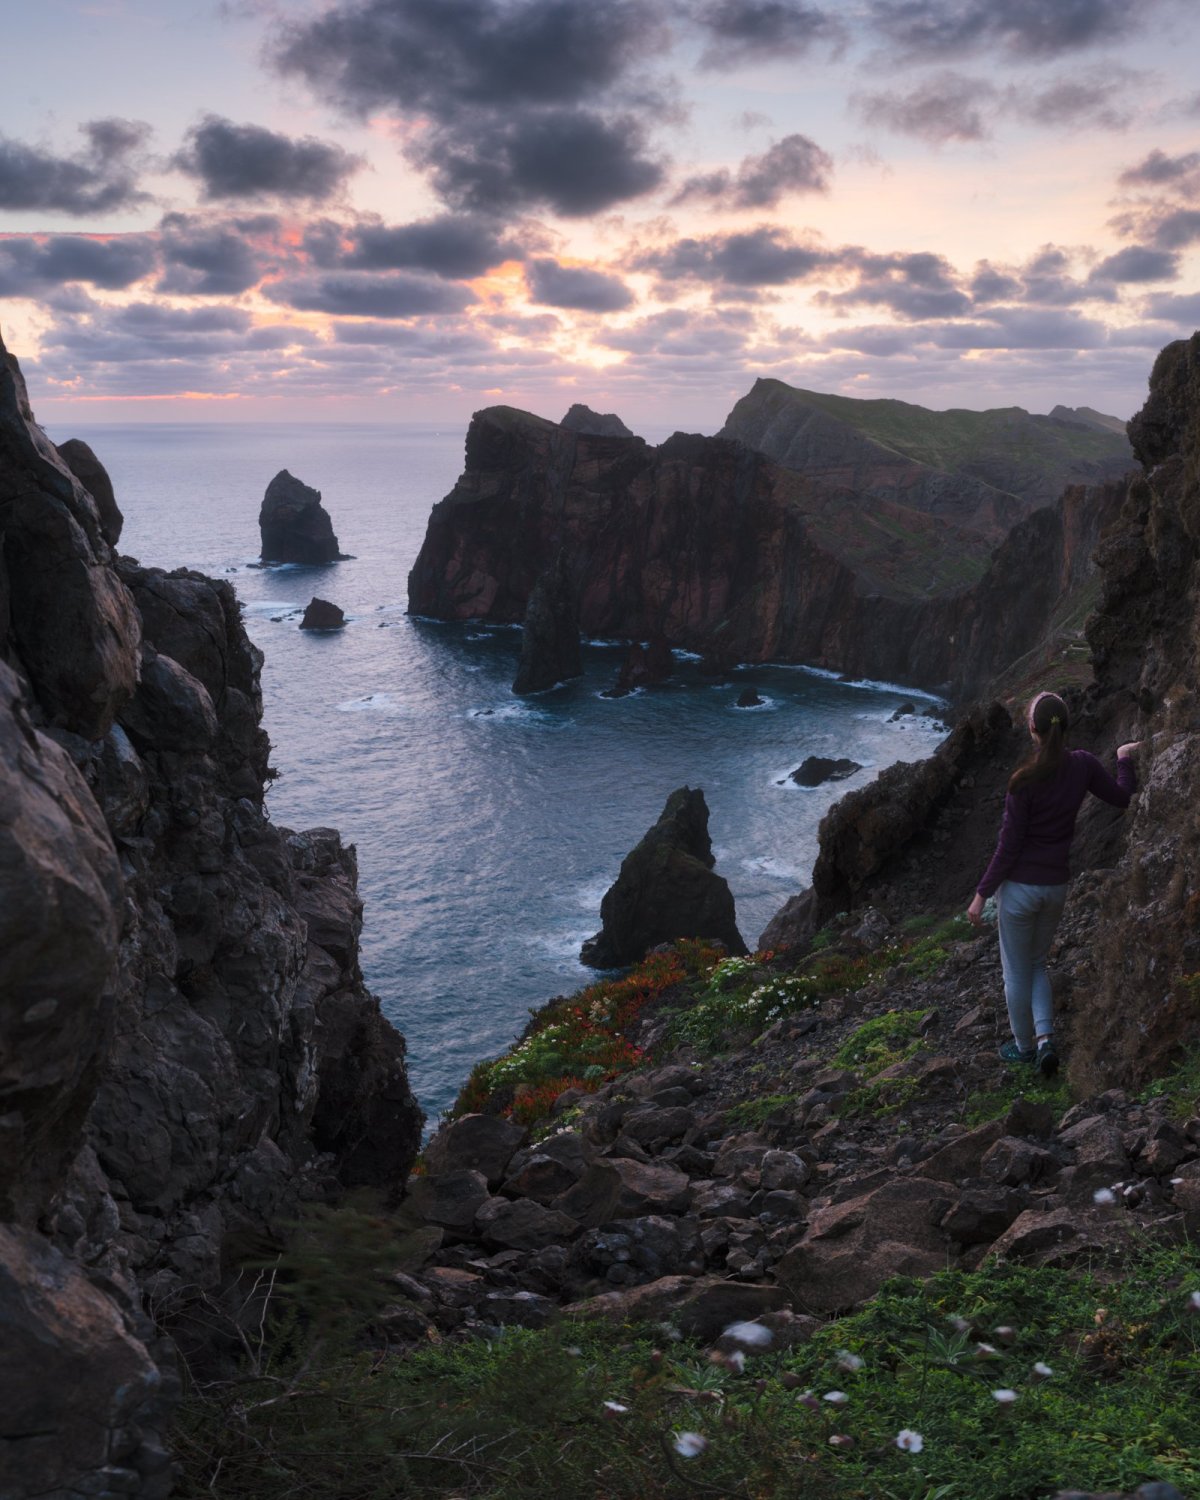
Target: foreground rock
point(550, 649)
point(187, 1048)
point(667, 889)
point(320, 614)
point(644, 666)
point(295, 526)
point(92, 474)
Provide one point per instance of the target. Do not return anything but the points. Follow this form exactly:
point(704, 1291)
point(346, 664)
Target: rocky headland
point(187, 1048)
point(707, 544)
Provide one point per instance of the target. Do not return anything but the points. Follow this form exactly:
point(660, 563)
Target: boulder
point(450, 1201)
point(550, 650)
point(481, 1143)
point(85, 1404)
point(818, 769)
point(591, 423)
point(666, 890)
point(850, 1249)
point(617, 1188)
point(701, 1306)
point(320, 614)
point(748, 698)
point(92, 474)
point(295, 526)
point(171, 709)
point(632, 1251)
point(522, 1224)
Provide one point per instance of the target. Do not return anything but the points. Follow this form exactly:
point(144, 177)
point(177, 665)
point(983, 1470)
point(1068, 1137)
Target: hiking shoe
point(1047, 1058)
point(1011, 1053)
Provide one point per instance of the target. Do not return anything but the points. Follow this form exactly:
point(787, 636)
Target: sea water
point(488, 827)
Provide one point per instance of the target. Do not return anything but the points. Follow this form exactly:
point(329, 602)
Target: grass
point(522, 1416)
point(980, 1108)
point(1180, 1087)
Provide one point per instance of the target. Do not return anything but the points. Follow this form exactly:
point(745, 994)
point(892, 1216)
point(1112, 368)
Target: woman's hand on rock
point(1125, 751)
point(975, 911)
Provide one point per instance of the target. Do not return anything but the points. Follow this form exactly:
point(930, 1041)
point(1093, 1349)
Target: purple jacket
point(1034, 846)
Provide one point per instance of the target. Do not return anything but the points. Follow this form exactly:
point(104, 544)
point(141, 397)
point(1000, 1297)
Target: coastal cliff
point(187, 1048)
point(712, 547)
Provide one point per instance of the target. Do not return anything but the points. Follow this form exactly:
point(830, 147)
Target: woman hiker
point(1029, 872)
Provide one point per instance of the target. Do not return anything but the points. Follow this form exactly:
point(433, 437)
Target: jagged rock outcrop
point(709, 546)
point(815, 770)
point(187, 1048)
point(320, 614)
point(295, 526)
point(1088, 416)
point(550, 649)
point(92, 474)
point(643, 666)
point(582, 418)
point(666, 889)
point(982, 469)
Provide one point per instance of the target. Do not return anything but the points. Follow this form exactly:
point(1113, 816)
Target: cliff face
point(186, 1043)
point(984, 470)
point(714, 548)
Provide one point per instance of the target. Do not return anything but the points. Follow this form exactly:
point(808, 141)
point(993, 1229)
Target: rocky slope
point(186, 1044)
point(982, 469)
point(710, 546)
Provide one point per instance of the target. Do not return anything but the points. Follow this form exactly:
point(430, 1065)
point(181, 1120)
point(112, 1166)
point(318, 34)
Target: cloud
point(555, 285)
point(916, 286)
point(450, 246)
point(742, 31)
point(574, 161)
point(946, 107)
point(30, 265)
point(766, 256)
point(1137, 263)
point(1176, 229)
point(1184, 311)
point(1027, 29)
point(1090, 100)
point(216, 258)
point(233, 161)
point(1045, 279)
point(363, 294)
point(100, 179)
point(679, 337)
point(793, 165)
point(519, 100)
point(1160, 170)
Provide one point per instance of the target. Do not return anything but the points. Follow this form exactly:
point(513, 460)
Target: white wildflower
point(1004, 1396)
point(751, 1335)
point(836, 1398)
point(1104, 1195)
point(614, 1408)
point(851, 1363)
point(909, 1441)
point(1042, 1370)
point(1193, 1302)
point(841, 1440)
point(736, 1361)
point(690, 1444)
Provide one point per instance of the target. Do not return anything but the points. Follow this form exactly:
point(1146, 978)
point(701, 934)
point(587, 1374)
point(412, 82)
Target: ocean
point(488, 827)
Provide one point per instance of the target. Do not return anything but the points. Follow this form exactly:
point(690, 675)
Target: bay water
point(488, 827)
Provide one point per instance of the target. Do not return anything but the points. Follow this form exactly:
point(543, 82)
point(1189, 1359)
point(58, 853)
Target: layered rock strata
point(186, 1045)
point(295, 526)
point(712, 547)
point(667, 889)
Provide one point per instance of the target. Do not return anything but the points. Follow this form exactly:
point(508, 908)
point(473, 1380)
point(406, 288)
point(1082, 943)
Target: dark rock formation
point(320, 614)
point(709, 546)
point(184, 1029)
point(550, 650)
point(92, 474)
point(984, 469)
point(667, 889)
point(748, 698)
point(1088, 416)
point(644, 666)
point(583, 419)
point(295, 525)
point(817, 769)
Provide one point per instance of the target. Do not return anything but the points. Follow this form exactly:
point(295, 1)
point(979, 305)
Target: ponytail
point(1049, 718)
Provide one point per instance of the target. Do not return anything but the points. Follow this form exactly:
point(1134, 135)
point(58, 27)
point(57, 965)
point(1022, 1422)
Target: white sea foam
point(269, 606)
point(869, 684)
point(777, 869)
point(374, 703)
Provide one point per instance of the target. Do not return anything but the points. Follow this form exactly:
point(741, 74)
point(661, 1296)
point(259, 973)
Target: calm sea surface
point(488, 827)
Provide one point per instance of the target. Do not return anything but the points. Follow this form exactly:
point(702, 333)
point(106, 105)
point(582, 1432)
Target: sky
point(405, 210)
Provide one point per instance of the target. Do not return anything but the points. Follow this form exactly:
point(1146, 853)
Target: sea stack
point(550, 640)
point(295, 525)
point(667, 889)
point(322, 615)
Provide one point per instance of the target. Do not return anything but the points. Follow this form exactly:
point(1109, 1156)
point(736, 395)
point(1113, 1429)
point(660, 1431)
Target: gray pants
point(1028, 921)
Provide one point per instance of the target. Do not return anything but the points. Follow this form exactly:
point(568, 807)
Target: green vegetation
point(757, 1111)
point(1026, 1085)
point(881, 1042)
point(1102, 1368)
point(1181, 1086)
